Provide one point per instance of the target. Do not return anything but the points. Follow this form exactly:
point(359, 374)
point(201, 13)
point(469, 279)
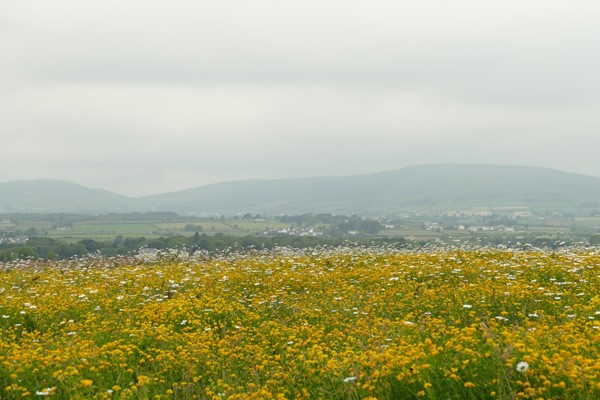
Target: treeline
point(52, 249)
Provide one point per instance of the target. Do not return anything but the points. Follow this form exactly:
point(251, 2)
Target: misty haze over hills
point(441, 187)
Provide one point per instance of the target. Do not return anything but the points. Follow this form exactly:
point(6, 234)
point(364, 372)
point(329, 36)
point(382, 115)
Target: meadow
point(101, 230)
point(368, 323)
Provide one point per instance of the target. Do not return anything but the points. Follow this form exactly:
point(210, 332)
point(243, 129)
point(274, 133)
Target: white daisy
point(522, 366)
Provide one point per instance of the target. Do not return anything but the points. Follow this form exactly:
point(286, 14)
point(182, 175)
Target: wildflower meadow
point(369, 323)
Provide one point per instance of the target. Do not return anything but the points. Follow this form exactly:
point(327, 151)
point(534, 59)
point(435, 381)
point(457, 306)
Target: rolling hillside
point(46, 195)
point(420, 187)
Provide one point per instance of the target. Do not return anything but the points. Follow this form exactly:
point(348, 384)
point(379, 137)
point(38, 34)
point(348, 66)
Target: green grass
point(587, 222)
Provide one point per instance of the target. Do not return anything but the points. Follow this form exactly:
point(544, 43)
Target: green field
point(76, 228)
point(150, 229)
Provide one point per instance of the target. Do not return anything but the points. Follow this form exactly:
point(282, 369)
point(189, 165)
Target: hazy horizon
point(299, 177)
point(150, 97)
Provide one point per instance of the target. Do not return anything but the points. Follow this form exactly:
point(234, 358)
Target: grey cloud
point(386, 44)
point(143, 96)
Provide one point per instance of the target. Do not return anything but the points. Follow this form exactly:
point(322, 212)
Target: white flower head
point(522, 366)
point(45, 392)
point(349, 379)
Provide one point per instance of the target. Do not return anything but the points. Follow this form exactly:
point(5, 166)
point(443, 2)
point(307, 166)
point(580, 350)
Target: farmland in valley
point(334, 324)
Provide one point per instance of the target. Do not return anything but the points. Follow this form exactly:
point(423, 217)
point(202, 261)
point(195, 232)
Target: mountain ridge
point(440, 186)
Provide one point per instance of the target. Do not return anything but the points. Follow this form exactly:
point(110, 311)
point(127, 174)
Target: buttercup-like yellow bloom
point(352, 323)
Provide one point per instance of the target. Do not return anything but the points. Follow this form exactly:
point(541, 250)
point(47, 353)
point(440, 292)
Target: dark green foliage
point(48, 248)
point(41, 247)
point(193, 228)
point(91, 245)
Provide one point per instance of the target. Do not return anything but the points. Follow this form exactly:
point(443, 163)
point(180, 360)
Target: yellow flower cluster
point(346, 324)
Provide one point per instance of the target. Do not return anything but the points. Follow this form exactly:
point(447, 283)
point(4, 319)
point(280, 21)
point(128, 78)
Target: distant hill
point(442, 186)
point(46, 195)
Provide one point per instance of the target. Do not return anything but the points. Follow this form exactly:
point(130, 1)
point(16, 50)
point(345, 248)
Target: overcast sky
point(143, 97)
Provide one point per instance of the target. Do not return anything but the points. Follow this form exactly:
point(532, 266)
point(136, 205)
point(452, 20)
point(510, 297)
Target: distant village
point(495, 223)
